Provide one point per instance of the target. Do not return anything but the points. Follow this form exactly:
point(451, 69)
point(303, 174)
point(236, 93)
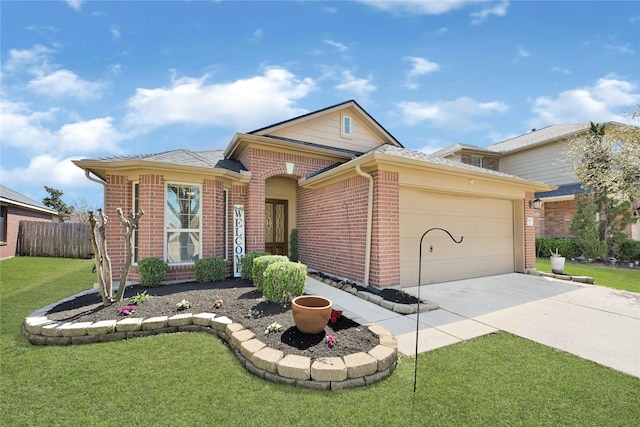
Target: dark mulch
point(240, 298)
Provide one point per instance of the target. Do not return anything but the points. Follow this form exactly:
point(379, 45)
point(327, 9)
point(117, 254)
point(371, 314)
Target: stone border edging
point(326, 373)
point(425, 305)
point(580, 279)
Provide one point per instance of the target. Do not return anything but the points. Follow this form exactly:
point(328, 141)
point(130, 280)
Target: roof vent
point(533, 130)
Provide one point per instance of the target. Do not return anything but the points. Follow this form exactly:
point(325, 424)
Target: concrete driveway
point(592, 322)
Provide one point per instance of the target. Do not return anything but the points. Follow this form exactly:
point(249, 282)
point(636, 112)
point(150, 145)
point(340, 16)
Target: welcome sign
point(238, 238)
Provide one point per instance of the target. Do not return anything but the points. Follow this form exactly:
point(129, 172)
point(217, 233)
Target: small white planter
point(557, 264)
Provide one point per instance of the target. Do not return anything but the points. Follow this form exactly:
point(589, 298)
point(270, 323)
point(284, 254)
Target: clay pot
point(311, 313)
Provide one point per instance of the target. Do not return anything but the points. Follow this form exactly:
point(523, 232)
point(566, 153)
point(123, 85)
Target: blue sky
point(86, 79)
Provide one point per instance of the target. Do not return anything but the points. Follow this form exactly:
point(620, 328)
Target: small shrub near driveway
point(152, 271)
point(260, 265)
point(284, 281)
point(246, 264)
point(210, 269)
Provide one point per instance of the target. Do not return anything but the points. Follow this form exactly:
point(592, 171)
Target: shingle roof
point(206, 159)
point(537, 137)
point(430, 158)
point(457, 147)
point(563, 190)
point(10, 195)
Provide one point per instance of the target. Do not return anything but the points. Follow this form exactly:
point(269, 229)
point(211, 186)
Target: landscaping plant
point(210, 269)
point(260, 265)
point(139, 298)
point(246, 264)
point(284, 281)
point(152, 271)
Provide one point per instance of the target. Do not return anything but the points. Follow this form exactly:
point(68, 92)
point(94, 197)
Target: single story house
point(540, 155)
point(359, 200)
point(15, 207)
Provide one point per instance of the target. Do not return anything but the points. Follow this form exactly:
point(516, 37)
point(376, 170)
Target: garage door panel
point(485, 224)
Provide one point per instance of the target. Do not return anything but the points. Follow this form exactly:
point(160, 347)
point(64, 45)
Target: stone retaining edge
point(329, 373)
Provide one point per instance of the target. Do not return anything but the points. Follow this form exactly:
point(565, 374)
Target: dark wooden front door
point(275, 227)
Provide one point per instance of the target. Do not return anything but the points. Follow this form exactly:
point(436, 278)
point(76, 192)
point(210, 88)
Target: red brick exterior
point(14, 216)
point(385, 242)
point(555, 218)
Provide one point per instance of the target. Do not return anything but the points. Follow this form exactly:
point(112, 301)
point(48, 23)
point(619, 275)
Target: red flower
point(335, 314)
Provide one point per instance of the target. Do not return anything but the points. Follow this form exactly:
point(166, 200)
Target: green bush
point(260, 265)
point(284, 281)
point(246, 264)
point(629, 250)
point(293, 247)
point(152, 271)
point(567, 247)
point(210, 269)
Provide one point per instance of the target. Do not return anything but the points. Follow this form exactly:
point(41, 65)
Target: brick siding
point(14, 216)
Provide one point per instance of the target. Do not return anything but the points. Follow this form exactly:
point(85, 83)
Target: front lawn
point(194, 379)
point(617, 278)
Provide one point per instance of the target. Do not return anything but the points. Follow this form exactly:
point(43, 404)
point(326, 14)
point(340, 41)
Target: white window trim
point(166, 228)
point(343, 133)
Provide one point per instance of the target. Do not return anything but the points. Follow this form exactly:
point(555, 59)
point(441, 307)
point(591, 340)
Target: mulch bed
point(240, 299)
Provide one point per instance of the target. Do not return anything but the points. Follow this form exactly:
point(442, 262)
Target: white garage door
point(485, 224)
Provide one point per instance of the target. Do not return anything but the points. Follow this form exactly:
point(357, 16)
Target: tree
point(54, 201)
point(607, 161)
point(129, 226)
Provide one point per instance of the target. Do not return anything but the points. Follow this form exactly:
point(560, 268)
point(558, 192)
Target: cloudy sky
point(85, 79)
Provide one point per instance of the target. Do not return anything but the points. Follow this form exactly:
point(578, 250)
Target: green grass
point(617, 278)
point(193, 378)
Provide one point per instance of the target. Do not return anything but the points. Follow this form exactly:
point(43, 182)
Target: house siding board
point(326, 131)
point(16, 214)
point(546, 163)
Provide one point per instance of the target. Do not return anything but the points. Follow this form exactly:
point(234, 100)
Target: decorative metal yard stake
point(415, 369)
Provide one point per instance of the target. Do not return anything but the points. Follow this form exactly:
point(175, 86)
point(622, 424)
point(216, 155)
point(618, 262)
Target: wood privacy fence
point(54, 239)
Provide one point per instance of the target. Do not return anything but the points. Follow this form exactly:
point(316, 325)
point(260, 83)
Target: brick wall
point(556, 218)
point(14, 216)
point(529, 234)
point(385, 242)
point(332, 225)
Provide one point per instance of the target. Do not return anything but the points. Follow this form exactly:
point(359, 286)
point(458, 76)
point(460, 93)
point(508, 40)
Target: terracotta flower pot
point(311, 313)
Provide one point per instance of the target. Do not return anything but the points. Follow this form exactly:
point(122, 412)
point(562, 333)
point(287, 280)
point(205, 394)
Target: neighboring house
point(540, 155)
point(359, 200)
point(14, 207)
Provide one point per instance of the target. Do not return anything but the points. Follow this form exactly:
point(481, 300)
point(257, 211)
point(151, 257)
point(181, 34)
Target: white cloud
point(115, 32)
point(561, 70)
point(65, 83)
point(453, 115)
point(433, 145)
point(58, 172)
point(523, 53)
point(242, 104)
point(339, 46)
point(34, 59)
point(361, 88)
point(498, 10)
point(598, 103)
point(75, 4)
point(419, 7)
point(625, 48)
point(421, 66)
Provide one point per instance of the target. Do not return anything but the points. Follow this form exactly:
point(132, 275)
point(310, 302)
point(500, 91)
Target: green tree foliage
point(586, 228)
point(54, 201)
point(607, 161)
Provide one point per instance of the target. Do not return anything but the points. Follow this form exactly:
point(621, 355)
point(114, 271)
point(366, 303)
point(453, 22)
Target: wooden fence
point(54, 239)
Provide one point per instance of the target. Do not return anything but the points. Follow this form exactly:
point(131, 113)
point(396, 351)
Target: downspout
point(367, 260)
point(104, 185)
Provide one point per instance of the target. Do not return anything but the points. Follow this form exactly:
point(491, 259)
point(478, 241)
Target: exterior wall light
point(535, 203)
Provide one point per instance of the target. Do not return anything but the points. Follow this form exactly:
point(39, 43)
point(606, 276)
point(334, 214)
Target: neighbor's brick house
point(15, 207)
point(359, 200)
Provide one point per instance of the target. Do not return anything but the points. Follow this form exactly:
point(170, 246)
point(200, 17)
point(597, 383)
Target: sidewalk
point(592, 322)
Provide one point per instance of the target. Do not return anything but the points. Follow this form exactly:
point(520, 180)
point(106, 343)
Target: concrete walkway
point(592, 322)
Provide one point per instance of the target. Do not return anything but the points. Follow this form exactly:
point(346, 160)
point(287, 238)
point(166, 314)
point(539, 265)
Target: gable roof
point(12, 197)
point(342, 106)
point(538, 137)
point(454, 148)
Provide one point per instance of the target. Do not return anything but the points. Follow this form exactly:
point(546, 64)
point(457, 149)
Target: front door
point(275, 227)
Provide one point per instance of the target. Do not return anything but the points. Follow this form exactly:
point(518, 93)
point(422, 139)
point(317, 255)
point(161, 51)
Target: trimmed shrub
point(246, 264)
point(293, 245)
point(567, 247)
point(629, 250)
point(260, 265)
point(284, 281)
point(210, 269)
point(152, 271)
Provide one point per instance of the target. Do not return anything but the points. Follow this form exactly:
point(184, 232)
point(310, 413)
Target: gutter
point(99, 181)
point(367, 260)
